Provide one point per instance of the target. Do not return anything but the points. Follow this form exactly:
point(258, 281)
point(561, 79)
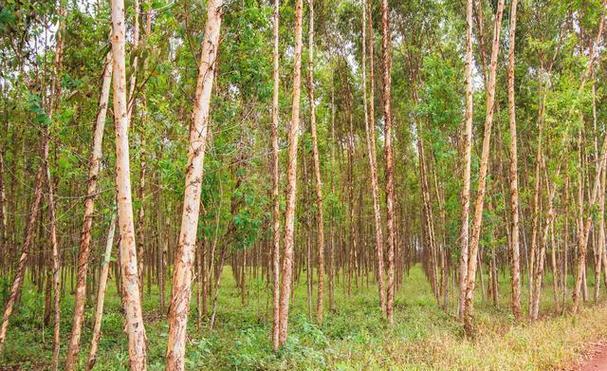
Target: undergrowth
point(352, 337)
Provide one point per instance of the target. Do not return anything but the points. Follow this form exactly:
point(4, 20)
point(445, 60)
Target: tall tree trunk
point(332, 274)
point(320, 233)
point(142, 154)
point(25, 250)
point(287, 263)
point(163, 258)
point(141, 217)
point(275, 180)
point(536, 198)
point(370, 139)
point(89, 209)
point(55, 259)
point(54, 100)
point(128, 248)
point(587, 223)
point(390, 198)
point(105, 268)
point(601, 237)
point(4, 243)
point(482, 180)
point(538, 274)
point(351, 202)
point(467, 162)
point(133, 78)
point(184, 258)
point(514, 242)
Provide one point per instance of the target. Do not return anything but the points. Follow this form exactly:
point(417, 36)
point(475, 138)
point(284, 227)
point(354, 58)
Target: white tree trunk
point(467, 159)
point(514, 212)
point(128, 249)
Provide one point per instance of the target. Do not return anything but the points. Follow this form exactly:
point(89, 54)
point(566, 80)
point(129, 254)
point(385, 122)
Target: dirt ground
point(596, 360)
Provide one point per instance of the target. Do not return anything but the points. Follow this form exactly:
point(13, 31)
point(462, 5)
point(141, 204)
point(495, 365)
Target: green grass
point(354, 337)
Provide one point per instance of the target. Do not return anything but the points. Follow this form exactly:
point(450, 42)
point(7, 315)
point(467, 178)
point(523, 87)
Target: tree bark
point(89, 209)
point(514, 243)
point(370, 140)
point(105, 267)
point(390, 197)
point(25, 250)
point(482, 182)
point(128, 248)
point(55, 258)
point(287, 263)
point(320, 233)
point(467, 162)
point(275, 180)
point(184, 258)
point(587, 224)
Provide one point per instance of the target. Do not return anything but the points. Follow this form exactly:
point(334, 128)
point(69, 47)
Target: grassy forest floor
point(354, 337)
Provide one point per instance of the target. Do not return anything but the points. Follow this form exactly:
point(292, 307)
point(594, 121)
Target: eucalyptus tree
point(514, 200)
point(184, 257)
point(128, 249)
point(390, 199)
point(287, 262)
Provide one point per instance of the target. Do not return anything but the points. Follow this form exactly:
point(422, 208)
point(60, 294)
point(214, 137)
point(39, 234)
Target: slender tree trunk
point(514, 243)
point(427, 214)
point(275, 181)
point(370, 139)
point(141, 218)
point(163, 256)
point(105, 268)
point(351, 202)
point(587, 224)
point(555, 270)
point(536, 198)
point(287, 263)
point(320, 233)
point(482, 182)
point(601, 242)
point(128, 248)
point(133, 78)
point(25, 250)
point(56, 262)
point(4, 242)
point(89, 209)
point(142, 154)
point(182, 276)
point(390, 198)
point(332, 274)
point(541, 254)
point(467, 162)
point(55, 259)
